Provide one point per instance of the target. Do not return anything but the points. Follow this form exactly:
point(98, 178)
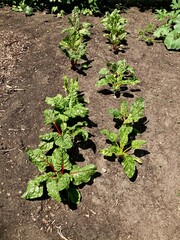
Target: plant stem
point(58, 130)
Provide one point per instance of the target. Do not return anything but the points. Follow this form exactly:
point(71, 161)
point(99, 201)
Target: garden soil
point(112, 207)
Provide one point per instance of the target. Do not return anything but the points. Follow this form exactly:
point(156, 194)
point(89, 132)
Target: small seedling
point(122, 141)
point(60, 175)
point(169, 31)
point(116, 75)
point(114, 26)
point(146, 34)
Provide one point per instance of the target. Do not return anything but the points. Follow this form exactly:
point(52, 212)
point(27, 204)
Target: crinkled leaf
point(46, 146)
point(82, 174)
point(136, 111)
point(63, 181)
point(136, 144)
point(104, 71)
point(64, 141)
point(74, 195)
point(162, 31)
point(111, 150)
point(115, 113)
point(109, 135)
point(124, 132)
point(129, 166)
point(38, 158)
point(172, 40)
point(131, 81)
point(35, 187)
point(76, 111)
point(57, 159)
point(102, 82)
point(52, 189)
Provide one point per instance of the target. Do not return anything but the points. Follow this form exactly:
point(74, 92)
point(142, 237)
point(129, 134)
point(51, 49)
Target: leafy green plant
point(22, 6)
point(123, 141)
point(114, 25)
point(169, 31)
point(76, 25)
point(60, 176)
point(116, 75)
point(74, 47)
point(146, 34)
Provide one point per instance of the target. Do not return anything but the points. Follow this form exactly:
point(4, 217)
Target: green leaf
point(52, 189)
point(46, 146)
point(129, 166)
point(109, 135)
point(57, 159)
point(64, 141)
point(162, 31)
point(102, 82)
point(82, 174)
point(63, 181)
point(111, 150)
point(35, 187)
point(124, 132)
point(77, 110)
point(74, 195)
point(172, 40)
point(136, 144)
point(104, 71)
point(38, 158)
point(136, 111)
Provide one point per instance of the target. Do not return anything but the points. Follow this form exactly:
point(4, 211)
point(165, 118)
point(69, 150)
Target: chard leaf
point(76, 111)
point(129, 166)
point(63, 181)
point(49, 116)
point(35, 187)
point(82, 174)
point(56, 102)
point(109, 135)
point(104, 71)
point(46, 146)
point(38, 158)
point(132, 81)
point(48, 137)
point(102, 82)
point(124, 108)
point(111, 150)
point(136, 144)
point(124, 132)
point(136, 111)
point(74, 195)
point(57, 159)
point(64, 141)
point(52, 188)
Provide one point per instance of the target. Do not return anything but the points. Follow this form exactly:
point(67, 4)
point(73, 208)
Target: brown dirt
point(112, 208)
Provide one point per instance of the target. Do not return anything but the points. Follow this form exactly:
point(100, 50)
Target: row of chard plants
point(60, 175)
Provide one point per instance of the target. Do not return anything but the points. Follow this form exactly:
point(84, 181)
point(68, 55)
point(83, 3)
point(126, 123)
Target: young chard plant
point(146, 34)
point(169, 31)
point(122, 141)
point(60, 176)
point(116, 75)
point(114, 26)
point(74, 45)
point(76, 25)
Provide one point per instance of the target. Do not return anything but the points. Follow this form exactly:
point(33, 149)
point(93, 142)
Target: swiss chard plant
point(169, 30)
point(76, 25)
point(146, 34)
point(74, 47)
point(60, 175)
point(122, 142)
point(115, 29)
point(116, 75)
